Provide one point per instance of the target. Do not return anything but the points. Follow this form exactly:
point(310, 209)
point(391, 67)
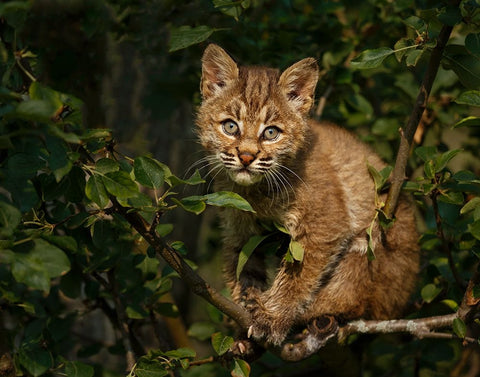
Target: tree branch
point(407, 133)
point(190, 277)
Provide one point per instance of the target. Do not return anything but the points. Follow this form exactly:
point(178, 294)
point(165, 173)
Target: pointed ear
point(298, 83)
point(218, 70)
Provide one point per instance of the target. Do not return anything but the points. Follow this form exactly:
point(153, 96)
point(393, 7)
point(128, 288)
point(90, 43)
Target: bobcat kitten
point(313, 179)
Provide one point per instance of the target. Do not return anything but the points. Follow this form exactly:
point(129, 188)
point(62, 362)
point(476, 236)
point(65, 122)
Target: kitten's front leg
point(277, 310)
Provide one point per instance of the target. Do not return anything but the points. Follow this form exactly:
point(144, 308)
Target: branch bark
point(407, 133)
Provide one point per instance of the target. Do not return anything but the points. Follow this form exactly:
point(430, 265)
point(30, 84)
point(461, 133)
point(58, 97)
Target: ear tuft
point(218, 70)
point(298, 83)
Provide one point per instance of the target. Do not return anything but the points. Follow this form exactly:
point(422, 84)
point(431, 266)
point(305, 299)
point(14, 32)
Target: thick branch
point(407, 133)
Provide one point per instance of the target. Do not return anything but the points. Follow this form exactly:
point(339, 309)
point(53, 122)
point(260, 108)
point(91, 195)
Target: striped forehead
point(256, 91)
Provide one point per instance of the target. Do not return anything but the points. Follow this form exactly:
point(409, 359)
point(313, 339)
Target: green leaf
point(247, 250)
point(429, 169)
point(240, 368)
point(379, 177)
point(470, 205)
point(371, 58)
point(228, 199)
point(221, 343)
point(164, 229)
point(96, 192)
point(470, 98)
point(296, 250)
point(195, 204)
point(195, 179)
point(426, 153)
point(181, 353)
point(148, 172)
point(106, 165)
point(459, 328)
point(471, 121)
point(201, 330)
point(10, 218)
point(78, 369)
point(442, 161)
point(35, 359)
point(150, 368)
point(120, 185)
point(36, 110)
point(229, 7)
point(474, 229)
point(472, 43)
point(184, 36)
point(430, 292)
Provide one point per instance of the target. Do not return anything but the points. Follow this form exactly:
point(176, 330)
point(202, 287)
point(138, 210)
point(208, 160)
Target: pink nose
point(246, 158)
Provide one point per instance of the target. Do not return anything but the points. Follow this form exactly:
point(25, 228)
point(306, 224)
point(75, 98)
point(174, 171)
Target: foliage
point(70, 260)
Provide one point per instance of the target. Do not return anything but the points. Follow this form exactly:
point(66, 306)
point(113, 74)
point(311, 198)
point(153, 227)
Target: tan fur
point(323, 195)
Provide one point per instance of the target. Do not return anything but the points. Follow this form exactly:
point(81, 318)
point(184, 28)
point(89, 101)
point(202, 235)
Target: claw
point(241, 347)
point(250, 332)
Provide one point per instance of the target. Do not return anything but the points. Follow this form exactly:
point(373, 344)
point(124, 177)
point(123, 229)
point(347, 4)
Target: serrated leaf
point(120, 185)
point(78, 369)
point(148, 172)
point(247, 250)
point(96, 192)
point(459, 328)
point(240, 368)
point(184, 36)
point(371, 58)
point(221, 343)
point(470, 121)
point(470, 98)
point(296, 250)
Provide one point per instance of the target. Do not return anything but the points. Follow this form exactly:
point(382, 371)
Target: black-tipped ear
point(218, 70)
point(298, 83)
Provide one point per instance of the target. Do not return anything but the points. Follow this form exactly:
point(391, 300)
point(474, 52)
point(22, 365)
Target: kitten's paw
point(269, 328)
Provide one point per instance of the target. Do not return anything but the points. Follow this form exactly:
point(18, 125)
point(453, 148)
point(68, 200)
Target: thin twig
point(408, 132)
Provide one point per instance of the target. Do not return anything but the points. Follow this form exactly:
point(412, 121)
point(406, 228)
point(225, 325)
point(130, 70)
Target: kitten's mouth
point(244, 177)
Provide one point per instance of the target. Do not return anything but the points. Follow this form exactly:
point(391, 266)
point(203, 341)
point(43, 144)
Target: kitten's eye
point(271, 133)
point(230, 127)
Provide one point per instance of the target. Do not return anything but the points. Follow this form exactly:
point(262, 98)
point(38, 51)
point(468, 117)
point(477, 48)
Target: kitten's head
point(253, 119)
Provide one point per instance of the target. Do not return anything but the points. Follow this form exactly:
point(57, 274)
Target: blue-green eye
point(230, 127)
point(271, 133)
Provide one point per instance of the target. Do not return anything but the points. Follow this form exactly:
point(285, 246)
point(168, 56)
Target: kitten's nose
point(246, 158)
